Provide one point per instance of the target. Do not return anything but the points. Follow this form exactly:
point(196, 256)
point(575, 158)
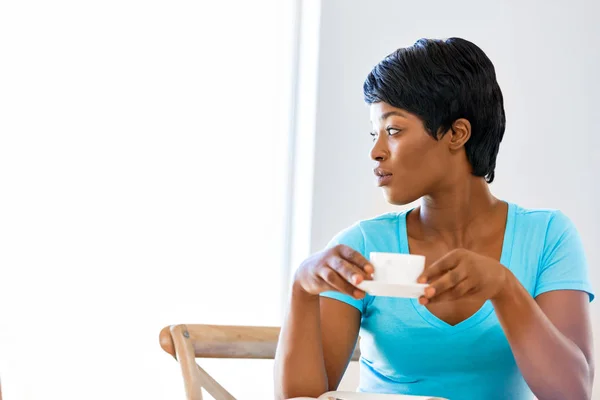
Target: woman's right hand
point(340, 269)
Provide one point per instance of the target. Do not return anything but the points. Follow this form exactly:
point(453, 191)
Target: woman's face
point(409, 162)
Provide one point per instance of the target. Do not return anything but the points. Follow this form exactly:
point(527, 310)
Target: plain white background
point(143, 167)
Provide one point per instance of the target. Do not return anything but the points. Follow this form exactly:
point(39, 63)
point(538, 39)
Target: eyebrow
point(390, 113)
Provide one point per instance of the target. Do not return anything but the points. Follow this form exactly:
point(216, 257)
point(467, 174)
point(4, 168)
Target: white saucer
point(406, 290)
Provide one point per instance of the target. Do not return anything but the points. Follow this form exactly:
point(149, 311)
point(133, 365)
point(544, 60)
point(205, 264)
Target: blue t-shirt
point(406, 349)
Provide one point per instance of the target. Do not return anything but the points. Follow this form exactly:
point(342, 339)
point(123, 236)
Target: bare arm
point(551, 340)
point(340, 324)
point(319, 334)
point(313, 352)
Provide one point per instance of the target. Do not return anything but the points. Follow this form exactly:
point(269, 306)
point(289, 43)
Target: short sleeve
point(351, 237)
point(563, 265)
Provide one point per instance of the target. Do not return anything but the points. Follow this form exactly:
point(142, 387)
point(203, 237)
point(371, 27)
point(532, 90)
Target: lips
point(381, 172)
point(383, 177)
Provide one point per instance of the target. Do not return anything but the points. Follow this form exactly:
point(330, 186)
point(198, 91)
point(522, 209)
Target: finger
point(444, 264)
point(446, 282)
point(350, 272)
point(327, 287)
point(338, 283)
point(356, 258)
point(462, 289)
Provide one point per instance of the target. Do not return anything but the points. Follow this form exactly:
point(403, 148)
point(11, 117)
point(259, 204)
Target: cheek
point(416, 157)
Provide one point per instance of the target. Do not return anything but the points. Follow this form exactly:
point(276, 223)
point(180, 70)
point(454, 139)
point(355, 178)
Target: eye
point(373, 135)
point(392, 131)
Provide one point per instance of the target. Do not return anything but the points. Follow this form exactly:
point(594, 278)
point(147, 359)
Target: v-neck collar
point(487, 308)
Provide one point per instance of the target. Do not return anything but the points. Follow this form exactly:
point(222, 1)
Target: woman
point(505, 312)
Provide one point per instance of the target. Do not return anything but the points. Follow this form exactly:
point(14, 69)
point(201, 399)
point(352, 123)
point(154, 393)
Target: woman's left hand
point(462, 273)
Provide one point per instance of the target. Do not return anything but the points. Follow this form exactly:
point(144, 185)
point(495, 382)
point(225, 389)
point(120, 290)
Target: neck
point(457, 208)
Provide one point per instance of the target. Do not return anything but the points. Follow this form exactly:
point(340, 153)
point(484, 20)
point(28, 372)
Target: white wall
point(143, 166)
point(547, 60)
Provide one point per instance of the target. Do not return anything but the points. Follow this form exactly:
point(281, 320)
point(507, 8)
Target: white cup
point(396, 267)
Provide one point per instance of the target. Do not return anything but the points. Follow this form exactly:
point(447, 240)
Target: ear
point(460, 133)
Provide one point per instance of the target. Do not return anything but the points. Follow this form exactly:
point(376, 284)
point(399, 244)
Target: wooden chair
point(188, 342)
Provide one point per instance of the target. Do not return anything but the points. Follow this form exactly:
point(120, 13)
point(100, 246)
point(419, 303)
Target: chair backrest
point(188, 342)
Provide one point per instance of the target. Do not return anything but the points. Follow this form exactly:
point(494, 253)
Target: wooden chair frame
point(188, 342)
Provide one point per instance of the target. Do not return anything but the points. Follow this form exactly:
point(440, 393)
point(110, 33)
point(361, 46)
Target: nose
point(380, 152)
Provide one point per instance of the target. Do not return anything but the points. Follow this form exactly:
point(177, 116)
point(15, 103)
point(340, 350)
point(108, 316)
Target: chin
point(397, 198)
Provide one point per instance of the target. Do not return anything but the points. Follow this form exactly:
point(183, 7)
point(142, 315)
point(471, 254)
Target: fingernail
point(355, 278)
point(422, 280)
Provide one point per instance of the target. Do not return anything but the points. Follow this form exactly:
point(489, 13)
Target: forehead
point(381, 111)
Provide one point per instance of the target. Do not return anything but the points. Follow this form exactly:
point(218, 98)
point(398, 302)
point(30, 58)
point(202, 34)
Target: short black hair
point(441, 81)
